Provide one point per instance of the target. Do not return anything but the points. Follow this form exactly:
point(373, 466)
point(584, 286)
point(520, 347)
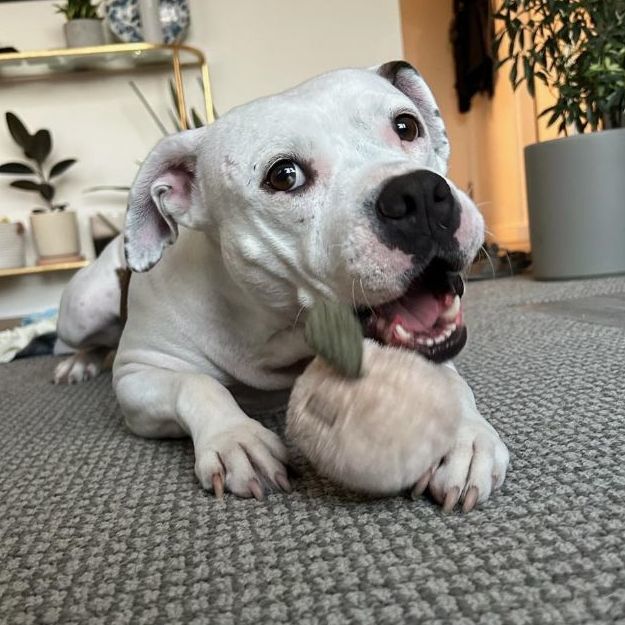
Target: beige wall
point(254, 47)
point(487, 143)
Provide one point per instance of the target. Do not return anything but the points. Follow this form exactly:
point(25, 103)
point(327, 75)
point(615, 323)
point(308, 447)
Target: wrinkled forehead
point(324, 108)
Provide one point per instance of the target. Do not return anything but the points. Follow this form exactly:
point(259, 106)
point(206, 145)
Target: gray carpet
point(97, 526)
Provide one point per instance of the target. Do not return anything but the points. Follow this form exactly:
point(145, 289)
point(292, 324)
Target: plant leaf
point(18, 131)
point(61, 167)
point(107, 188)
point(25, 185)
point(16, 168)
point(47, 191)
point(197, 120)
point(40, 146)
point(174, 120)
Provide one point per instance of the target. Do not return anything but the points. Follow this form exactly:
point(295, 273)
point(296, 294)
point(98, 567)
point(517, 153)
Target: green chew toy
point(334, 333)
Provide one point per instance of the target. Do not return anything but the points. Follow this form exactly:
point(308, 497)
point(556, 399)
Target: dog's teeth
point(429, 342)
point(452, 328)
point(439, 339)
point(402, 334)
point(452, 312)
point(421, 340)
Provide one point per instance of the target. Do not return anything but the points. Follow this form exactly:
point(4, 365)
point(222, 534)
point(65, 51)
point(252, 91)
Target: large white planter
point(83, 33)
point(55, 234)
point(12, 246)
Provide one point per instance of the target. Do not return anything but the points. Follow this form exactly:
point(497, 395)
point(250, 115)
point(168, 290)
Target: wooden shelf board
point(33, 269)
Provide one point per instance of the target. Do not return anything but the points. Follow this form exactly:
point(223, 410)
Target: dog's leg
point(476, 465)
point(89, 316)
point(232, 451)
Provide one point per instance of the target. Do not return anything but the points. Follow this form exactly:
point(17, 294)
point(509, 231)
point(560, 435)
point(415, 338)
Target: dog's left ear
point(161, 198)
point(408, 80)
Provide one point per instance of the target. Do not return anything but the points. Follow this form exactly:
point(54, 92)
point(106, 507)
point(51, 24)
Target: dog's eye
point(406, 127)
point(285, 175)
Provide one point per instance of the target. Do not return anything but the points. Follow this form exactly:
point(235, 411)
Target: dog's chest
point(185, 308)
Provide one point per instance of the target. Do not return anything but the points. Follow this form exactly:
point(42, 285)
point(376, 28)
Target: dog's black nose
point(415, 198)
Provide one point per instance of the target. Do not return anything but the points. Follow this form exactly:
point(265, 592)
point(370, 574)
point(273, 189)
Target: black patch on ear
point(391, 69)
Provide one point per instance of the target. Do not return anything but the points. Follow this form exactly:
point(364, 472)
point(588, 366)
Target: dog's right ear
point(160, 198)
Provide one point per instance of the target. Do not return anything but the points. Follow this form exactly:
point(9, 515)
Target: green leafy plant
point(577, 49)
point(78, 9)
point(36, 147)
point(195, 121)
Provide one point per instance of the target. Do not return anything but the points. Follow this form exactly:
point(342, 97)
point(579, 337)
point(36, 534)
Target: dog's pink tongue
point(417, 312)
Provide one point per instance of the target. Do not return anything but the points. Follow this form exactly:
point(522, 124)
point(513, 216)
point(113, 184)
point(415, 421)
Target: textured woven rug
point(98, 526)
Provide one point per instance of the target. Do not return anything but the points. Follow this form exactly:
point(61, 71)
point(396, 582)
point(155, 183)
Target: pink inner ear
point(179, 196)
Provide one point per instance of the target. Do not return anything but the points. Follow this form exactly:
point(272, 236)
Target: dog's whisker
point(354, 293)
point(299, 313)
point(490, 260)
point(509, 262)
point(364, 295)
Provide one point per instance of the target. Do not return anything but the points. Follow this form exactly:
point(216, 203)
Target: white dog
point(333, 189)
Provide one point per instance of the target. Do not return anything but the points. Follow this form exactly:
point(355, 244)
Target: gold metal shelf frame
point(38, 64)
point(111, 58)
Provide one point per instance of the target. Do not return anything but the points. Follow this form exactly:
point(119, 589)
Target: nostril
point(391, 209)
point(398, 207)
point(410, 204)
point(441, 191)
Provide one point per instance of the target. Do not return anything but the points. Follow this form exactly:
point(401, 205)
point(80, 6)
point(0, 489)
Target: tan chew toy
point(378, 432)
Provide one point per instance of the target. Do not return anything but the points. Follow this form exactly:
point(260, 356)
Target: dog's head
point(333, 189)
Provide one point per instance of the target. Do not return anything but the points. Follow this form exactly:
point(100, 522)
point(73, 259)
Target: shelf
point(34, 269)
point(102, 58)
point(111, 59)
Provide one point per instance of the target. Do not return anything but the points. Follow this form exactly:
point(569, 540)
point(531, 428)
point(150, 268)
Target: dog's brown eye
point(285, 175)
point(406, 127)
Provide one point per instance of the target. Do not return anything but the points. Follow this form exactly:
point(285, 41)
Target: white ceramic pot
point(83, 33)
point(12, 246)
point(55, 234)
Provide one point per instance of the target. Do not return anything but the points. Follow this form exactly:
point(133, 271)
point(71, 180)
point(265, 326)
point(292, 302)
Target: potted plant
point(55, 230)
point(83, 27)
point(575, 184)
point(12, 248)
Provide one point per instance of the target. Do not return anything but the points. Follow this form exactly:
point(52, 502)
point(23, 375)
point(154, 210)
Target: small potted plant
point(12, 249)
point(55, 230)
point(83, 27)
point(575, 184)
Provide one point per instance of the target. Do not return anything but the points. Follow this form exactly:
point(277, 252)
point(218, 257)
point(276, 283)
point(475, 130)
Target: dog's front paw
point(244, 459)
point(474, 467)
point(82, 366)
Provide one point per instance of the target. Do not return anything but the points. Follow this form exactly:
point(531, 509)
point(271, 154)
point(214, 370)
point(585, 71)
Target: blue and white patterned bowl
point(122, 17)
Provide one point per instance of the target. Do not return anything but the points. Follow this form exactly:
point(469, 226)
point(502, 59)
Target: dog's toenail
point(218, 485)
point(451, 499)
point(470, 499)
point(283, 482)
point(256, 489)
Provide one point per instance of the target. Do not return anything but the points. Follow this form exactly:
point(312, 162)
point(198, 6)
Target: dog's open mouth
point(426, 319)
